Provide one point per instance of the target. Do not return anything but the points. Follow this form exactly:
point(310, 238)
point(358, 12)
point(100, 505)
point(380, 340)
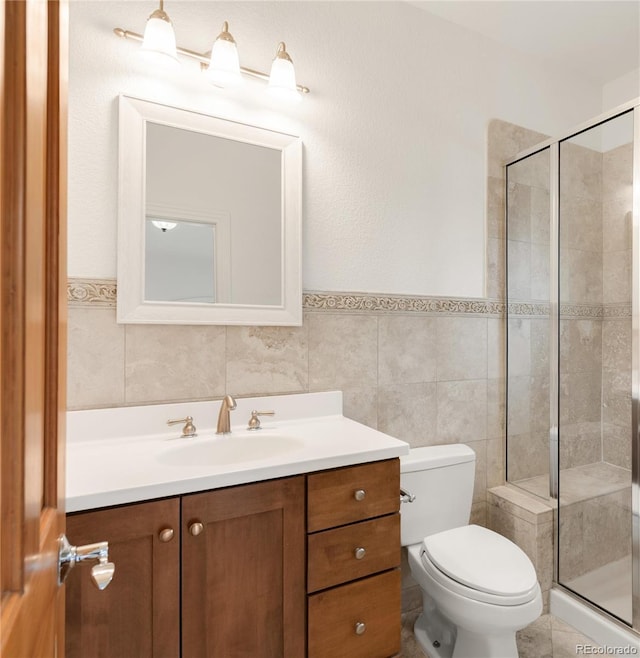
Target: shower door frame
point(553, 145)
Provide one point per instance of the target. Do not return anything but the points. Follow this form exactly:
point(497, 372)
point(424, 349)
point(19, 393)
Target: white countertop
point(110, 461)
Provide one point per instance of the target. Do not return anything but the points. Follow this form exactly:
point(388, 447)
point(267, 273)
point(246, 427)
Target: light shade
point(282, 81)
point(163, 225)
point(224, 65)
point(159, 41)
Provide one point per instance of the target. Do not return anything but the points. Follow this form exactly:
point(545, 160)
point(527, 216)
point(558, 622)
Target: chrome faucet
point(224, 422)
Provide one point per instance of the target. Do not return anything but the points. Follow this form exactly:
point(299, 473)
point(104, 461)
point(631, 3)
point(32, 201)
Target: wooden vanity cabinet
point(263, 570)
point(229, 583)
point(353, 560)
point(243, 573)
point(138, 614)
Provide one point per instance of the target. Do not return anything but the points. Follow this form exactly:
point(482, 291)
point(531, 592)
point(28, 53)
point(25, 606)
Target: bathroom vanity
point(304, 562)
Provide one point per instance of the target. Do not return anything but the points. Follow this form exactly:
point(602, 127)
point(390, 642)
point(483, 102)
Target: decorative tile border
point(100, 293)
point(371, 303)
point(91, 292)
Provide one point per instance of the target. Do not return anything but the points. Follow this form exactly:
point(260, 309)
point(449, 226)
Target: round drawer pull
point(359, 494)
point(165, 535)
point(360, 552)
point(361, 627)
point(196, 528)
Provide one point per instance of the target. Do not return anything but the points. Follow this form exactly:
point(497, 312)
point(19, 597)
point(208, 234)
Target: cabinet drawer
point(335, 614)
point(352, 494)
point(354, 551)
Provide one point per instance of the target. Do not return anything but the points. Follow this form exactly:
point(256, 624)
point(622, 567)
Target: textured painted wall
point(394, 129)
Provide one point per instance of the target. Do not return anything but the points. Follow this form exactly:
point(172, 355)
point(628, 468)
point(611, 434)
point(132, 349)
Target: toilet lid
point(481, 559)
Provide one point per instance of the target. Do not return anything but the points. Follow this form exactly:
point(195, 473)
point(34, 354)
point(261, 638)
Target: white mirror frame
point(131, 306)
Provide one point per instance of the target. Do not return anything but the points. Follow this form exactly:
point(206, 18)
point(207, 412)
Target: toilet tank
point(441, 478)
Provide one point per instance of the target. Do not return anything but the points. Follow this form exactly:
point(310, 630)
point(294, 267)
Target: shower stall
point(573, 352)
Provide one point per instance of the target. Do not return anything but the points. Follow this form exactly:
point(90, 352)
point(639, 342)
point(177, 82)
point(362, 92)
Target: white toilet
point(478, 588)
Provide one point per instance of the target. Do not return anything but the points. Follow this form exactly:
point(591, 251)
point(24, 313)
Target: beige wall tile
point(495, 462)
point(519, 347)
point(174, 362)
point(406, 349)
point(519, 204)
point(408, 412)
point(617, 267)
point(540, 272)
point(461, 348)
point(581, 223)
point(616, 445)
point(616, 395)
point(519, 405)
point(361, 405)
point(616, 344)
point(580, 171)
point(505, 140)
point(495, 208)
point(580, 396)
point(496, 348)
point(617, 223)
point(343, 351)
point(580, 345)
point(540, 346)
point(95, 364)
point(519, 276)
point(540, 209)
point(581, 443)
point(495, 268)
point(580, 276)
point(617, 167)
point(462, 411)
point(267, 360)
point(496, 408)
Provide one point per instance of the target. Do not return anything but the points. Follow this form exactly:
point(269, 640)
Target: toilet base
point(439, 638)
point(431, 639)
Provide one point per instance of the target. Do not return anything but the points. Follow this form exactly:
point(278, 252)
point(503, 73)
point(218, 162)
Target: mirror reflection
point(214, 181)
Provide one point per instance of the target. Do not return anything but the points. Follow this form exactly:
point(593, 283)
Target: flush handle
point(359, 494)
point(406, 496)
point(69, 556)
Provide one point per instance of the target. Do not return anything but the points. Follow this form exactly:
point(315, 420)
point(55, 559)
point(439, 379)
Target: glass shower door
point(595, 365)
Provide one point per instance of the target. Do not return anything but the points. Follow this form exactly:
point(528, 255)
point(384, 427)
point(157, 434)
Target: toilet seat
point(480, 564)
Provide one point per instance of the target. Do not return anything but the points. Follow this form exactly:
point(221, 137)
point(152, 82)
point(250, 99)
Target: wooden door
point(138, 615)
point(243, 571)
point(32, 324)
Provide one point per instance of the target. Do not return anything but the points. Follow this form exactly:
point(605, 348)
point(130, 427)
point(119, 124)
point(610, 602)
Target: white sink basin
point(229, 449)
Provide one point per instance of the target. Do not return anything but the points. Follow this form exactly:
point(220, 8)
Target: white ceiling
point(599, 39)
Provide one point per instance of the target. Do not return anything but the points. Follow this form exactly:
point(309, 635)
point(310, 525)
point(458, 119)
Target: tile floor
point(547, 637)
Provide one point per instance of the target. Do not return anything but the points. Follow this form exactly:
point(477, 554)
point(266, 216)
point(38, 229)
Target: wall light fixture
point(221, 65)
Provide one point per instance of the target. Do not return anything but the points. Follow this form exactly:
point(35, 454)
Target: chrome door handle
point(69, 556)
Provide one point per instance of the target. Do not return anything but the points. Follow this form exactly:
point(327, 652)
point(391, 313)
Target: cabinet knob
point(360, 628)
point(359, 494)
point(166, 534)
point(360, 552)
point(196, 528)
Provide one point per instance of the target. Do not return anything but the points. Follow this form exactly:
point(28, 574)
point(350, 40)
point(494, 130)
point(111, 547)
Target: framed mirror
point(209, 219)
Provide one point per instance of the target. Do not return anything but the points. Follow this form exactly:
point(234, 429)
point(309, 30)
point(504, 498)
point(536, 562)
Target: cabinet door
point(138, 614)
point(243, 577)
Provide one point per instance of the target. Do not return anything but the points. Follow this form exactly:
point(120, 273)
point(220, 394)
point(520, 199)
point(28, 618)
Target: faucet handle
point(189, 429)
point(254, 421)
